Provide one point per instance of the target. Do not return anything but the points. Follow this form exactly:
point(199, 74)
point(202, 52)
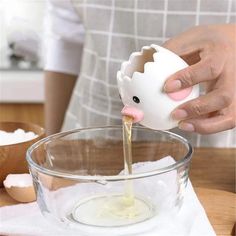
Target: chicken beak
point(133, 112)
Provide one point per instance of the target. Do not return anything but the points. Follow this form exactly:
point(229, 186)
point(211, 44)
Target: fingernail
point(186, 126)
point(179, 114)
point(172, 85)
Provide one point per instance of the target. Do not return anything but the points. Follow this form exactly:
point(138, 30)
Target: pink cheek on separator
point(180, 95)
point(133, 112)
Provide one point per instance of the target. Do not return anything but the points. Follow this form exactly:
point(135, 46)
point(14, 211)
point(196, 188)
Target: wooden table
point(213, 177)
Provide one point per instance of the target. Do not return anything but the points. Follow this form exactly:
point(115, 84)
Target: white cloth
point(26, 219)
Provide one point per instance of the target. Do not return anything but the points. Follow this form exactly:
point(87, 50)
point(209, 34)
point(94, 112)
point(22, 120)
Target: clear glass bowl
point(80, 181)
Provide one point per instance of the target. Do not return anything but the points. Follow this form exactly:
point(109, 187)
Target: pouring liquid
point(127, 151)
point(115, 209)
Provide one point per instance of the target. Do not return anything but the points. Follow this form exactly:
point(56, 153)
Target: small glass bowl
point(81, 184)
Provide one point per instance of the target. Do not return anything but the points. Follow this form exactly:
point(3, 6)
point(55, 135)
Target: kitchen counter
point(21, 86)
point(213, 177)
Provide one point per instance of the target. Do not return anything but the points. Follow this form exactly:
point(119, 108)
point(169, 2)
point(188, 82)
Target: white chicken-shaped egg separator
point(141, 81)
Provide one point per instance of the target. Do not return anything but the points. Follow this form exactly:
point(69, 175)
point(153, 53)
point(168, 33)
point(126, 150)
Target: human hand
point(211, 53)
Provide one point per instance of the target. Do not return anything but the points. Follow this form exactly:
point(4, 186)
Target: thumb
point(204, 70)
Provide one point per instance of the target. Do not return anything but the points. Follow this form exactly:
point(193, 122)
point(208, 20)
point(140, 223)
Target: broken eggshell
point(141, 81)
point(20, 187)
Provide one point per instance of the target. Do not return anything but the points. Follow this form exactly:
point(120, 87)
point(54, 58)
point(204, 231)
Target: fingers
point(218, 121)
point(208, 125)
point(205, 70)
point(214, 101)
point(188, 52)
point(188, 41)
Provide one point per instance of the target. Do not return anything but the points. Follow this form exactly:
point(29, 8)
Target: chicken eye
point(136, 99)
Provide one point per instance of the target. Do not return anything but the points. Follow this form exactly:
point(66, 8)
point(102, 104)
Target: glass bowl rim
point(60, 174)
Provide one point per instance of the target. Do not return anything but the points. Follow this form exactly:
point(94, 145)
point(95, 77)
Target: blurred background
point(21, 60)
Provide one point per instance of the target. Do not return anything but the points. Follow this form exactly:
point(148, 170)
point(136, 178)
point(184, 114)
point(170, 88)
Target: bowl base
point(111, 211)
